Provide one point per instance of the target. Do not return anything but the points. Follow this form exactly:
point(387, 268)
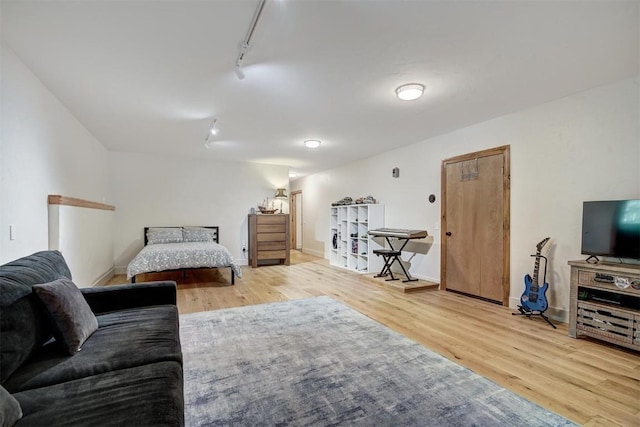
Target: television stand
point(604, 302)
point(595, 258)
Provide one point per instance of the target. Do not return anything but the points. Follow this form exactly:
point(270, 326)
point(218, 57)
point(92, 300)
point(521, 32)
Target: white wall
point(583, 147)
point(43, 150)
point(154, 190)
point(85, 237)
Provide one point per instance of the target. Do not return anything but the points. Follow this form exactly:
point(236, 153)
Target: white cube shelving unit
point(350, 245)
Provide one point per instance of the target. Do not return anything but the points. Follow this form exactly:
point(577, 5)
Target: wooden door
point(296, 217)
point(475, 224)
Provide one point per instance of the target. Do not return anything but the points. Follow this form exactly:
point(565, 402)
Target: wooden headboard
point(216, 228)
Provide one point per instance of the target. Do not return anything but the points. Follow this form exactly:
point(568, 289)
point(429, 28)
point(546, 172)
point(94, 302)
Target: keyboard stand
point(390, 256)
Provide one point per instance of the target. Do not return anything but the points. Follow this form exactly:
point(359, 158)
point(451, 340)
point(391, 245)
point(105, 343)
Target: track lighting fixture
point(239, 73)
point(213, 131)
point(246, 43)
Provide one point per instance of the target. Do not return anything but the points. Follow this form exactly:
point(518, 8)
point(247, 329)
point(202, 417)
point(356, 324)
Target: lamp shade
point(281, 193)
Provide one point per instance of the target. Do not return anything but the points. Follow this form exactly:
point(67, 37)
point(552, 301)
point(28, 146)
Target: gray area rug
point(318, 362)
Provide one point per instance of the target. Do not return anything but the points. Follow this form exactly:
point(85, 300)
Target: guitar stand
point(525, 312)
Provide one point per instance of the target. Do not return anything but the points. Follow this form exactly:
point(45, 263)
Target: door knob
point(448, 233)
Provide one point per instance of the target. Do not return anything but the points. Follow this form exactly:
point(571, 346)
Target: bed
point(181, 248)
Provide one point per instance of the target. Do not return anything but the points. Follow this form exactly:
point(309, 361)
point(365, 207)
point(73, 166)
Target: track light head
point(213, 130)
point(239, 73)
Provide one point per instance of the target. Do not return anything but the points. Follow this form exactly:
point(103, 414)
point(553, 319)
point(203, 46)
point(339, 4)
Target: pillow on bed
point(164, 235)
point(199, 234)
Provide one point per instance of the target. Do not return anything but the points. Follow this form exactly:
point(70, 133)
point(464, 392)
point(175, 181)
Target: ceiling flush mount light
point(312, 143)
point(410, 91)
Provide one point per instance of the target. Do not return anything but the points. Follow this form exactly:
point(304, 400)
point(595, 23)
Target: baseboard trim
point(104, 278)
point(315, 253)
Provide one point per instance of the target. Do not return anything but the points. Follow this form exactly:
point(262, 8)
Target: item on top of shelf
point(266, 207)
point(369, 200)
point(344, 201)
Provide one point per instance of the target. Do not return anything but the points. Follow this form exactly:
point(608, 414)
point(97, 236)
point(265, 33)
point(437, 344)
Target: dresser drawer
point(271, 237)
point(271, 228)
point(271, 246)
point(271, 254)
point(271, 219)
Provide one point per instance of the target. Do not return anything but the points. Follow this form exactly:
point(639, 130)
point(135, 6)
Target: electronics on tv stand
point(605, 278)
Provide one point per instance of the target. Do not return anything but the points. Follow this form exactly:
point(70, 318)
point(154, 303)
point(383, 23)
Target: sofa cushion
point(148, 395)
point(124, 339)
point(10, 410)
point(74, 321)
point(24, 325)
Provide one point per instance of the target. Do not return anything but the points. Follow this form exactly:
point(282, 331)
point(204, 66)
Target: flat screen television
point(611, 228)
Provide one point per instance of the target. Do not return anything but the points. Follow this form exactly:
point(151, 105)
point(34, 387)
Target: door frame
point(293, 214)
point(506, 217)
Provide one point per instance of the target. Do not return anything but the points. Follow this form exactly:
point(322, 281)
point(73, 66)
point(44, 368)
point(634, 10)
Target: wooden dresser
point(268, 238)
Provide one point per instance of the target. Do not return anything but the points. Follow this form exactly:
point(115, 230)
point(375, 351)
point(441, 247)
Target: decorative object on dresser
point(605, 302)
point(353, 248)
point(533, 301)
point(268, 239)
point(266, 207)
point(181, 248)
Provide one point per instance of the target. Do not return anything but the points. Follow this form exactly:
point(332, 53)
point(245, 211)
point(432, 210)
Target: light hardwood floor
point(589, 382)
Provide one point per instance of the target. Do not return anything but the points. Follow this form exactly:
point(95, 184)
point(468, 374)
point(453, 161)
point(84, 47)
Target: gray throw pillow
point(70, 312)
point(10, 410)
point(164, 235)
point(199, 234)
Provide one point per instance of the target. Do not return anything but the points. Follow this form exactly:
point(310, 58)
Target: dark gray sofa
point(128, 372)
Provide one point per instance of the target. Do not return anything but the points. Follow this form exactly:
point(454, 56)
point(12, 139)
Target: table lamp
point(281, 193)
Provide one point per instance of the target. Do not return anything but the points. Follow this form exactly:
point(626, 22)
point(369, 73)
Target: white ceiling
point(148, 76)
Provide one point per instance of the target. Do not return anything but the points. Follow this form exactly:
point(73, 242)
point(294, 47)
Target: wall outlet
point(244, 246)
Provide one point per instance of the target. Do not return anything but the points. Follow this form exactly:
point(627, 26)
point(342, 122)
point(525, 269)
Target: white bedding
point(176, 256)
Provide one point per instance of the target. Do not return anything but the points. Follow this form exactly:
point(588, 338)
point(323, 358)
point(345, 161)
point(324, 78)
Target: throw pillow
point(157, 236)
point(70, 312)
point(10, 410)
point(199, 234)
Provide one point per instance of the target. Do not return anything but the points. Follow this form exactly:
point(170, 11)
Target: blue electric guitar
point(534, 297)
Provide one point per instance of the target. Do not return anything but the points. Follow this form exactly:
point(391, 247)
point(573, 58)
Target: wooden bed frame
point(217, 240)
